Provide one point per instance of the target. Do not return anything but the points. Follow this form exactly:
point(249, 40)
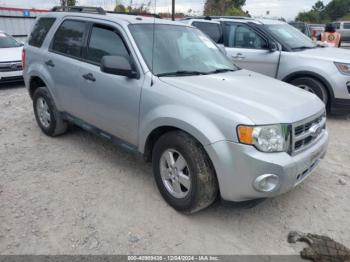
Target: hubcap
point(175, 173)
point(43, 112)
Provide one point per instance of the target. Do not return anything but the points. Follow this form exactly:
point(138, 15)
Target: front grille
point(308, 131)
point(11, 66)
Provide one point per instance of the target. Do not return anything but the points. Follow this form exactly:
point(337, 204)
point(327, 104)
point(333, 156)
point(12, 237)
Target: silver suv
point(343, 27)
point(277, 49)
point(165, 90)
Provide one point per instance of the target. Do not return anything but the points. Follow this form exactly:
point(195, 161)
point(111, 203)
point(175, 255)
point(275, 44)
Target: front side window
point(40, 30)
point(7, 41)
point(69, 38)
point(105, 41)
point(346, 25)
point(241, 36)
point(178, 49)
point(211, 29)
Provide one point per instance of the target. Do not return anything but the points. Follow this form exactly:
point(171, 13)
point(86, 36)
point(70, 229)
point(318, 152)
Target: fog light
point(348, 85)
point(266, 183)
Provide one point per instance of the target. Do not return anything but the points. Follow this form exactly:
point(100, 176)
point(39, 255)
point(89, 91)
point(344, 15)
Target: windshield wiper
point(182, 73)
point(221, 70)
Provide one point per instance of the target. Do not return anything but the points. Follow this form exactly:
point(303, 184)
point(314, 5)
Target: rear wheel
point(313, 86)
point(47, 116)
point(183, 172)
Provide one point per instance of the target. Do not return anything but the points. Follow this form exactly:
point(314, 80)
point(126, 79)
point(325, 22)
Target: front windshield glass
point(7, 41)
point(290, 36)
point(179, 50)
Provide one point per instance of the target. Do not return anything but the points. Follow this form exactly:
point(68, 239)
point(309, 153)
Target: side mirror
point(274, 46)
point(117, 65)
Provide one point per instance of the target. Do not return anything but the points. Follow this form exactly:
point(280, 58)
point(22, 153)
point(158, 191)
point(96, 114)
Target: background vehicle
point(279, 50)
point(165, 90)
point(10, 59)
point(343, 27)
point(302, 27)
point(311, 30)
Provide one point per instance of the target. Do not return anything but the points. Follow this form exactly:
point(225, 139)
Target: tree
point(309, 17)
point(143, 8)
point(119, 8)
point(319, 6)
point(224, 7)
point(68, 2)
point(336, 9)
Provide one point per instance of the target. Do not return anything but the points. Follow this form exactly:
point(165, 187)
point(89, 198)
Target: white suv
point(276, 49)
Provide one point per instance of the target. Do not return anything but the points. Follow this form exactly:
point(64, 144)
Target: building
point(18, 22)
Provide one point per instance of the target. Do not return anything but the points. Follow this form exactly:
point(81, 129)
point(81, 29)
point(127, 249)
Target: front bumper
point(12, 76)
point(237, 166)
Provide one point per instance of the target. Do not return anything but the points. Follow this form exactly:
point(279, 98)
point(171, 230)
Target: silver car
point(276, 49)
point(165, 90)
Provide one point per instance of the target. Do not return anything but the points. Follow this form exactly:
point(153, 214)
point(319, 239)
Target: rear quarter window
point(212, 30)
point(40, 30)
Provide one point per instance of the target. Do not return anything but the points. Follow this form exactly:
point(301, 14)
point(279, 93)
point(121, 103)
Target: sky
point(277, 8)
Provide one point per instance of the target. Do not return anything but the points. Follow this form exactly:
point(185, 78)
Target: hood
point(11, 54)
point(327, 53)
point(262, 99)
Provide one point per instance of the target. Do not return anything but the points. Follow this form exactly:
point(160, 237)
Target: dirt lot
point(78, 194)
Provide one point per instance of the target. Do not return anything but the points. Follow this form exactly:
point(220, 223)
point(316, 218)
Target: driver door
point(248, 49)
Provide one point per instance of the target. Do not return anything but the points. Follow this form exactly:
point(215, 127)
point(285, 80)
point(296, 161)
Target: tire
point(202, 189)
point(49, 119)
point(312, 85)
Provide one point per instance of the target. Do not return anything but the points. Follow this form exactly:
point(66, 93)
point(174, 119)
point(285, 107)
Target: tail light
point(23, 58)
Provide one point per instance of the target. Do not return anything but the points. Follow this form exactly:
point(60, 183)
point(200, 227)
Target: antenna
point(154, 38)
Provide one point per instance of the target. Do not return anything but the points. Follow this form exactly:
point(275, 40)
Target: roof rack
point(139, 14)
point(79, 9)
point(217, 17)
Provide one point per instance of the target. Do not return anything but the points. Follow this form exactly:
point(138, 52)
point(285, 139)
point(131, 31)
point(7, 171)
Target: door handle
point(89, 77)
point(50, 63)
point(238, 56)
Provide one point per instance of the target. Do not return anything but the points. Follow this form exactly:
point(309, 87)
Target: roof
point(125, 18)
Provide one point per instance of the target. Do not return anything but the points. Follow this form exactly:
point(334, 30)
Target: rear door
point(64, 60)
point(248, 49)
point(109, 102)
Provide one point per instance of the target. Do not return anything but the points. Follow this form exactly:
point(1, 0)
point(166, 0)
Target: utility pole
point(173, 10)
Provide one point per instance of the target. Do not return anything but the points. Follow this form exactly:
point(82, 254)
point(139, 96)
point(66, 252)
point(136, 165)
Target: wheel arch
point(314, 75)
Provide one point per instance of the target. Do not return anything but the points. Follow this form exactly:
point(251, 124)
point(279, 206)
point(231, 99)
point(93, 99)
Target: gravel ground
point(78, 194)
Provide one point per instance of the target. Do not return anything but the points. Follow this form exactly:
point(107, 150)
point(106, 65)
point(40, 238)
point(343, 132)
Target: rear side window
point(346, 25)
point(40, 30)
point(105, 41)
point(211, 29)
point(69, 38)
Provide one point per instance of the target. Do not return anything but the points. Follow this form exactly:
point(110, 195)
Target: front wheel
point(313, 86)
point(183, 172)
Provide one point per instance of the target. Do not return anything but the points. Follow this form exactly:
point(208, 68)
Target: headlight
point(343, 68)
point(272, 138)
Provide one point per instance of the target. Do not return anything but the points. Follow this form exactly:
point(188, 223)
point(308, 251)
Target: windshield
point(179, 50)
point(290, 36)
point(7, 41)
